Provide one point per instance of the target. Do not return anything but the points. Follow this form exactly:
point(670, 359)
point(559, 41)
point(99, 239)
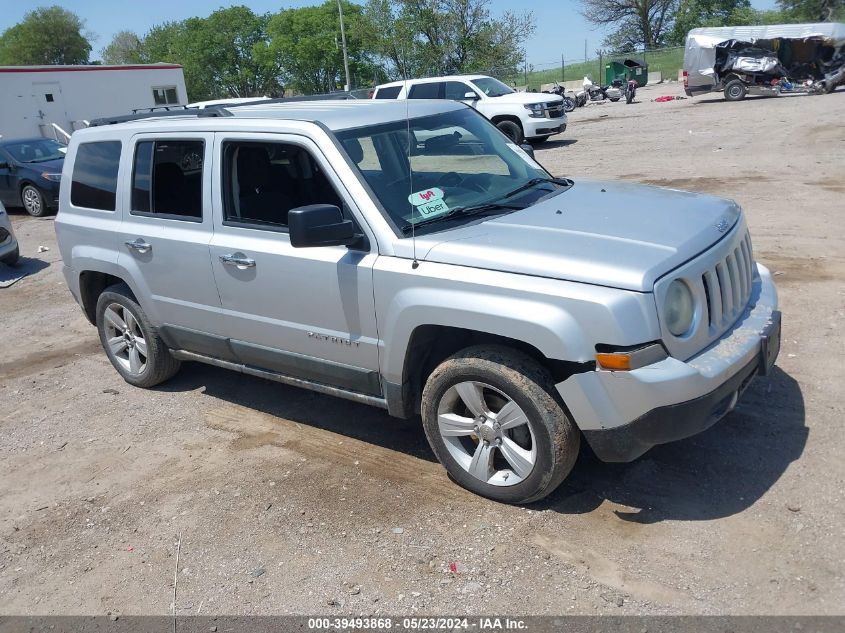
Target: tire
point(735, 90)
point(512, 130)
point(12, 258)
point(33, 201)
point(629, 97)
point(568, 104)
point(157, 365)
point(539, 453)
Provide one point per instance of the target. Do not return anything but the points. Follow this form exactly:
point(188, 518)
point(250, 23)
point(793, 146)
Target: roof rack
point(213, 111)
point(329, 96)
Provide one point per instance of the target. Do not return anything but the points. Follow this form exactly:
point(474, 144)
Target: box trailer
point(53, 101)
point(765, 60)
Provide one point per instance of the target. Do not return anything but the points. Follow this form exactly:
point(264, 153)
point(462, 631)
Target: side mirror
point(472, 96)
point(528, 149)
point(319, 225)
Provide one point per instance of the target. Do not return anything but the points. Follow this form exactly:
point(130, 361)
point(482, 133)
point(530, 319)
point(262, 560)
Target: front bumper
point(544, 127)
point(624, 413)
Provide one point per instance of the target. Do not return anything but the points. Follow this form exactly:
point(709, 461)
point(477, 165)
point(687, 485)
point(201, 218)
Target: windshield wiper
point(564, 182)
point(43, 160)
point(477, 209)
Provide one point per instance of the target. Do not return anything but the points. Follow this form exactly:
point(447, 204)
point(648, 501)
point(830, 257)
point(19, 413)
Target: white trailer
point(53, 101)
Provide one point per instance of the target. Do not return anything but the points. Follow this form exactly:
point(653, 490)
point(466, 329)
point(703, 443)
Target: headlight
point(678, 308)
point(536, 109)
point(52, 177)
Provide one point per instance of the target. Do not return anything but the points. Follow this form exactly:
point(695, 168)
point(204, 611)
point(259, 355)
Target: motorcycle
point(568, 101)
point(595, 92)
point(631, 90)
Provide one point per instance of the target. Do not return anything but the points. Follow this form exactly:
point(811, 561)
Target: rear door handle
point(237, 259)
point(139, 245)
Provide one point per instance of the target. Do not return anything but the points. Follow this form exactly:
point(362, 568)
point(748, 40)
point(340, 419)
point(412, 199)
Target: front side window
point(36, 151)
point(388, 92)
point(492, 87)
point(263, 181)
point(429, 90)
point(165, 95)
point(454, 163)
point(456, 90)
point(94, 179)
point(167, 179)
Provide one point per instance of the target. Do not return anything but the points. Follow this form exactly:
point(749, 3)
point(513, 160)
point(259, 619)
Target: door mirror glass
point(471, 95)
point(528, 149)
point(319, 225)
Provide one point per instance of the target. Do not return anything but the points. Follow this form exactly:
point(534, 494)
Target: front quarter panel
point(563, 320)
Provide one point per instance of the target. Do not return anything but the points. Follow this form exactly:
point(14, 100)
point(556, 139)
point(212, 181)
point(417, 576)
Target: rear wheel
point(494, 421)
point(512, 130)
point(735, 90)
point(130, 341)
point(33, 201)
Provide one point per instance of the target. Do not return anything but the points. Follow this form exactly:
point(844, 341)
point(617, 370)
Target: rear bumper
point(623, 414)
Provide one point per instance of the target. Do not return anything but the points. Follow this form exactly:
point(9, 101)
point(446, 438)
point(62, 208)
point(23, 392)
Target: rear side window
point(167, 179)
point(94, 179)
point(389, 92)
point(425, 91)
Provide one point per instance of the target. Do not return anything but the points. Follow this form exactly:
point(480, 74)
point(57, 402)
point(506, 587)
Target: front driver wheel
point(33, 201)
point(130, 341)
point(512, 130)
point(493, 420)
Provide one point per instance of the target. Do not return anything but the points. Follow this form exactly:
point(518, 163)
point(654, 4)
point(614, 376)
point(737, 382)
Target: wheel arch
point(495, 120)
point(93, 281)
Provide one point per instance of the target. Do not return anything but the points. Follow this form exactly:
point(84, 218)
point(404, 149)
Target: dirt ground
point(283, 501)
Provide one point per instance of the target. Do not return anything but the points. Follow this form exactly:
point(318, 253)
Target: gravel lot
point(283, 501)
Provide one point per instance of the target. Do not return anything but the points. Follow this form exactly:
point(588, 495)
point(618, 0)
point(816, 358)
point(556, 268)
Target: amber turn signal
point(614, 361)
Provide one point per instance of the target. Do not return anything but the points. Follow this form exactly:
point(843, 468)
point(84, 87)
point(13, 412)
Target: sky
point(561, 30)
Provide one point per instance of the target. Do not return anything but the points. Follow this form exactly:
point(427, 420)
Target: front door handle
point(139, 245)
point(237, 259)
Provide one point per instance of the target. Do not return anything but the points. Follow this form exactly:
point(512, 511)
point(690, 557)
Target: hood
point(616, 234)
point(527, 97)
point(53, 166)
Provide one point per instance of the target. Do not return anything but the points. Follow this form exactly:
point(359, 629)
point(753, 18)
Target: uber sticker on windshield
point(431, 209)
point(425, 196)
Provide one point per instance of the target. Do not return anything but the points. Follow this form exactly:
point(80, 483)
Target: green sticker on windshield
point(432, 209)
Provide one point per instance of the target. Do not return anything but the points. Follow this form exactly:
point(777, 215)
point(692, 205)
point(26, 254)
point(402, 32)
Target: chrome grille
point(554, 111)
point(727, 285)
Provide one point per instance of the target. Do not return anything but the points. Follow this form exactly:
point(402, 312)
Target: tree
point(48, 35)
point(642, 22)
point(223, 55)
point(813, 10)
point(125, 48)
point(438, 37)
point(306, 43)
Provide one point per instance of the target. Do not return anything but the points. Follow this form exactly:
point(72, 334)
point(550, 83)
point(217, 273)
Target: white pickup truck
point(521, 116)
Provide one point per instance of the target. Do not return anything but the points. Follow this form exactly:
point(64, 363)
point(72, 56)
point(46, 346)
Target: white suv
point(520, 115)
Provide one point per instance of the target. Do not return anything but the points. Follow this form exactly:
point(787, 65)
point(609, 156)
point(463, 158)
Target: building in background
point(53, 101)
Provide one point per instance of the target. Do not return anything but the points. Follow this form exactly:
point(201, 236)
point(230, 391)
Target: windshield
point(460, 165)
point(36, 151)
point(492, 87)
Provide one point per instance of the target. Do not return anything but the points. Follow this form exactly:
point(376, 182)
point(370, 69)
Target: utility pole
point(585, 50)
point(562, 68)
point(348, 85)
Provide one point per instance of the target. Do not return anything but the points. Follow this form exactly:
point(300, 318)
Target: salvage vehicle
point(763, 60)
point(9, 250)
point(521, 116)
point(30, 171)
point(408, 256)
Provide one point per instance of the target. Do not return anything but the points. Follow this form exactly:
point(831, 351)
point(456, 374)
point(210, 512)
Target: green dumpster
point(627, 69)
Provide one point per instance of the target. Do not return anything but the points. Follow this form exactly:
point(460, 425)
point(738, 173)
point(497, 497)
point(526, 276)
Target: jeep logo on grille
point(723, 225)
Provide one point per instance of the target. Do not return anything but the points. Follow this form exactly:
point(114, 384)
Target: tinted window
point(425, 91)
point(456, 90)
point(94, 180)
point(262, 182)
point(390, 92)
point(167, 179)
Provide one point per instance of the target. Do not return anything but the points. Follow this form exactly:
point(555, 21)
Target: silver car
point(409, 256)
point(9, 250)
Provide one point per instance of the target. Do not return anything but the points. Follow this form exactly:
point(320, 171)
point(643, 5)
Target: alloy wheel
point(487, 433)
point(125, 338)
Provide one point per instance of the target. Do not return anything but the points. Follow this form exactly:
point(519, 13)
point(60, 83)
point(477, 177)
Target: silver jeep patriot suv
point(407, 255)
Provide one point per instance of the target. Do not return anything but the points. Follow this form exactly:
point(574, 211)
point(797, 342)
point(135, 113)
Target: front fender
point(563, 320)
